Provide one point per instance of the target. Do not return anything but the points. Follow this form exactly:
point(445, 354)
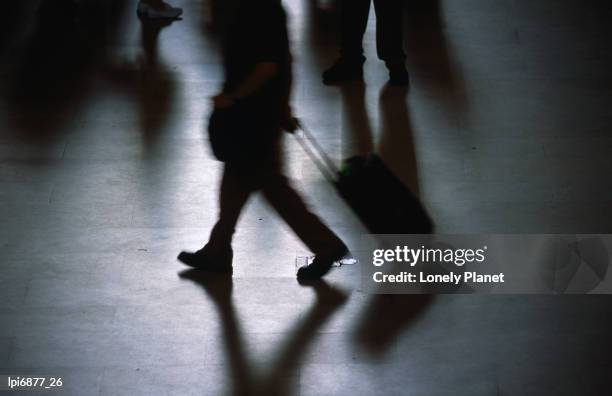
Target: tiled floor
point(105, 175)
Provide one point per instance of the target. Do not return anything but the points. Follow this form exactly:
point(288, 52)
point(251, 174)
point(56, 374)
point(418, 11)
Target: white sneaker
point(167, 12)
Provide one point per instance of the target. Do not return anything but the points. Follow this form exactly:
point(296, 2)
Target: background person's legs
point(390, 39)
point(354, 21)
point(389, 31)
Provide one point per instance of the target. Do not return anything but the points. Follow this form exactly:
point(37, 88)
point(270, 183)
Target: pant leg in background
point(354, 20)
point(390, 31)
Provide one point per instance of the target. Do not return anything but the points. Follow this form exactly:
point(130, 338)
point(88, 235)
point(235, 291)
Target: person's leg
point(292, 209)
point(321, 240)
point(389, 38)
point(353, 25)
point(354, 20)
point(233, 195)
point(389, 30)
point(216, 255)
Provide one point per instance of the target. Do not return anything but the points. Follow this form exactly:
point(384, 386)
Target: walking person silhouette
point(245, 131)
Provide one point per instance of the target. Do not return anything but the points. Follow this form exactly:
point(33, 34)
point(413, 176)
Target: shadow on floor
point(394, 144)
point(386, 317)
point(431, 59)
point(285, 364)
point(151, 82)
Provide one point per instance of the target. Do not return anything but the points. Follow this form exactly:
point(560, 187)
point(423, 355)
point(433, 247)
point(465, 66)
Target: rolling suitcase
point(380, 200)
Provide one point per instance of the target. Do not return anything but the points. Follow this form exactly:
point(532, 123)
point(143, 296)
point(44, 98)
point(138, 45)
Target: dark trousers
point(265, 175)
point(389, 29)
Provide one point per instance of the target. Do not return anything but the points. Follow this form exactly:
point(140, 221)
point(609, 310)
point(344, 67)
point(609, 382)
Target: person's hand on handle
point(290, 122)
point(291, 125)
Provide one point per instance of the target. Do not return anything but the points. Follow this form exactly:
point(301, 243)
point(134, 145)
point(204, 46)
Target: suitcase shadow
point(431, 58)
point(386, 318)
point(394, 144)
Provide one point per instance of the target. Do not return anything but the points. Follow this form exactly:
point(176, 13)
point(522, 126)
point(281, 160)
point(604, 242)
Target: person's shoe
point(398, 75)
point(344, 70)
point(218, 262)
point(321, 264)
point(145, 10)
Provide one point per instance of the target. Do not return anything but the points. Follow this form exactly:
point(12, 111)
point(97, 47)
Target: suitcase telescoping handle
point(316, 153)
